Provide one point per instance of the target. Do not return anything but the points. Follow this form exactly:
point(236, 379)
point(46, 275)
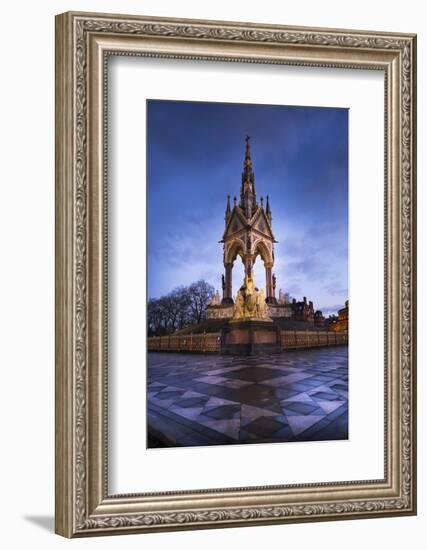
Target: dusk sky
point(300, 159)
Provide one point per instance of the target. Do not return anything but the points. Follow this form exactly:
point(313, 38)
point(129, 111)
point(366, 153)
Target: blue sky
point(300, 159)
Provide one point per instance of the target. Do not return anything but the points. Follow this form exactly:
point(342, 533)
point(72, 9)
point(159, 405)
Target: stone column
point(270, 298)
point(228, 289)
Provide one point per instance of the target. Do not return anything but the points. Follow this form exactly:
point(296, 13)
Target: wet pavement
point(198, 400)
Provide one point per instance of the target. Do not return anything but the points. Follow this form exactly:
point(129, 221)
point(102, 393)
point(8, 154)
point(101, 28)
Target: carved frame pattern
point(83, 506)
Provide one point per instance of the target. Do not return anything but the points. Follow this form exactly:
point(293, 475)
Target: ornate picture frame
point(84, 506)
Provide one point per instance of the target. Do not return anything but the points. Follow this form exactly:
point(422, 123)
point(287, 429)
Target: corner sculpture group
point(250, 302)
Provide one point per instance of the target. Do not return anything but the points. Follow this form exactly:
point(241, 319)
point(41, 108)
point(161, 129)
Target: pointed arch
point(263, 250)
point(233, 249)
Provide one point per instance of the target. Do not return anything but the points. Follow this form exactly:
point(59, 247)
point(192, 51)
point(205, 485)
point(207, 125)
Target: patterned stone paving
point(212, 400)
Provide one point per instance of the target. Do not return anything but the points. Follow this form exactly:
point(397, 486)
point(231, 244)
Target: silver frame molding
point(83, 43)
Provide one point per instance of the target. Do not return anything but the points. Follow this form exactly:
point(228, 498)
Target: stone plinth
point(219, 311)
point(250, 337)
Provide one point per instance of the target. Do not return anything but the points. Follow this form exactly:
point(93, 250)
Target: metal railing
point(193, 343)
point(211, 343)
point(299, 339)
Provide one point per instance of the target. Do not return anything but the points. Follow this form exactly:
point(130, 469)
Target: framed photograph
point(235, 274)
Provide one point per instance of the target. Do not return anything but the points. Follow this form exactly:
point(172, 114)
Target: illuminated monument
point(248, 234)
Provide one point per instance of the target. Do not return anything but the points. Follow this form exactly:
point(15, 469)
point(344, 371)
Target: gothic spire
point(267, 210)
point(247, 190)
point(228, 210)
point(248, 174)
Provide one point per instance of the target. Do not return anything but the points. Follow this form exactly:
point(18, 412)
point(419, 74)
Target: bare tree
point(201, 293)
point(156, 317)
point(176, 304)
point(183, 306)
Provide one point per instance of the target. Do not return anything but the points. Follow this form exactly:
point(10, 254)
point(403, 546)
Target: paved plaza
point(213, 400)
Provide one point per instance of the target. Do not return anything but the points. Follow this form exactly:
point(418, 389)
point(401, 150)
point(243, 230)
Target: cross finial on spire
point(247, 190)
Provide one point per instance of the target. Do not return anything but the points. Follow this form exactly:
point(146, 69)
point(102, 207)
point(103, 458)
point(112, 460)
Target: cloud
point(195, 157)
point(332, 309)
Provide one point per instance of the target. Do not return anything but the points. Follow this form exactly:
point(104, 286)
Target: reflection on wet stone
point(196, 400)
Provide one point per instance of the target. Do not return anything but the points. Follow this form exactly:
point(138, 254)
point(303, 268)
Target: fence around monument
point(197, 343)
point(211, 342)
point(299, 339)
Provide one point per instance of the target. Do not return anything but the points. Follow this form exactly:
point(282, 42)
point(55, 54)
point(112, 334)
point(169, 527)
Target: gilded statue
point(250, 302)
point(239, 305)
point(261, 305)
